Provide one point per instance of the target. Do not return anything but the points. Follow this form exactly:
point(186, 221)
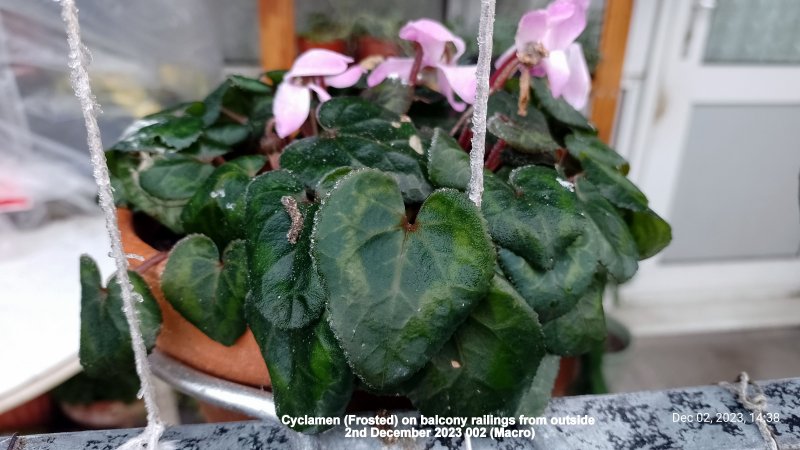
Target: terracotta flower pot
point(107, 414)
point(241, 363)
point(367, 46)
point(31, 414)
point(336, 45)
point(568, 370)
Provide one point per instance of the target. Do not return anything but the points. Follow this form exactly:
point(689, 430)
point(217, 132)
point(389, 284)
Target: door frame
point(693, 296)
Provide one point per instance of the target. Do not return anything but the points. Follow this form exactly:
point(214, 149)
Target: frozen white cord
point(756, 404)
point(78, 62)
point(485, 31)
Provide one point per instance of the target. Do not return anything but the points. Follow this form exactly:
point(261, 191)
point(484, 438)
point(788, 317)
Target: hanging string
point(78, 62)
point(485, 31)
point(756, 403)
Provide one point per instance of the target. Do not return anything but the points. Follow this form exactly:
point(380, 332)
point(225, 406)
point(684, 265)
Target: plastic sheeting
point(146, 55)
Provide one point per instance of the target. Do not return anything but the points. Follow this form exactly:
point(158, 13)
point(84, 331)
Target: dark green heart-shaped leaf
point(194, 109)
point(585, 146)
point(580, 329)
point(392, 95)
point(228, 134)
point(649, 230)
point(139, 137)
point(358, 116)
point(83, 389)
point(178, 133)
point(559, 109)
point(250, 164)
point(285, 286)
point(167, 212)
point(398, 290)
point(520, 135)
point(554, 291)
point(274, 77)
point(208, 293)
point(250, 84)
point(146, 133)
point(105, 336)
point(217, 208)
point(119, 164)
point(535, 214)
point(174, 177)
point(308, 371)
point(448, 163)
point(535, 400)
point(529, 133)
point(361, 134)
point(431, 110)
point(488, 364)
point(617, 249)
point(205, 149)
point(239, 98)
point(213, 103)
point(329, 180)
point(548, 249)
point(614, 185)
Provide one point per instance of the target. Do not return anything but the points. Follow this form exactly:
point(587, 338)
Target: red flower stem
point(151, 262)
point(496, 83)
point(415, 68)
point(493, 161)
point(502, 74)
point(236, 117)
point(462, 120)
point(313, 119)
point(465, 139)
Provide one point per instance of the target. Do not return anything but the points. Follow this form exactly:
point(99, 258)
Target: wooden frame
point(276, 23)
point(607, 76)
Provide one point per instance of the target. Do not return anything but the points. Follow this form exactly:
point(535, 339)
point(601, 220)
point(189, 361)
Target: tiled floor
point(691, 360)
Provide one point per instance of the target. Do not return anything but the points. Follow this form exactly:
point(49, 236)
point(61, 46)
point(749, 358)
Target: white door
point(714, 141)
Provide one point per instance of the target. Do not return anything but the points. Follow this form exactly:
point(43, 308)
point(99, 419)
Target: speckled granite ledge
point(642, 420)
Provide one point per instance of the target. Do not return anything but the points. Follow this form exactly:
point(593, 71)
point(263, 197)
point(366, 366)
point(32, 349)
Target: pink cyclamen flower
point(545, 45)
point(312, 71)
point(440, 50)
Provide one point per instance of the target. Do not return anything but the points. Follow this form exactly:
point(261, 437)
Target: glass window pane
point(754, 32)
point(737, 194)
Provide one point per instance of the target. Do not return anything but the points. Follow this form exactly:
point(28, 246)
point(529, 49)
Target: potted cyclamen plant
point(325, 32)
point(318, 217)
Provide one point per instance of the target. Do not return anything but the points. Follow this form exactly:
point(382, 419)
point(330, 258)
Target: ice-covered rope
point(485, 31)
point(78, 62)
point(756, 404)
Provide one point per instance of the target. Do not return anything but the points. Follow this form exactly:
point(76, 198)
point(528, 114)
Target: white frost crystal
point(485, 31)
point(78, 62)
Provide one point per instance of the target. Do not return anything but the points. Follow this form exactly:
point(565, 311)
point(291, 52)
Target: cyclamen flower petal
point(322, 94)
point(566, 21)
point(391, 67)
point(292, 100)
point(503, 58)
point(576, 90)
point(557, 71)
point(291, 107)
point(555, 28)
point(459, 79)
point(319, 62)
point(532, 28)
point(346, 78)
point(433, 37)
